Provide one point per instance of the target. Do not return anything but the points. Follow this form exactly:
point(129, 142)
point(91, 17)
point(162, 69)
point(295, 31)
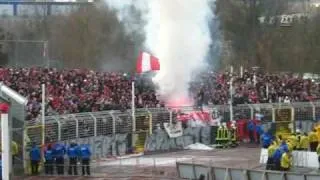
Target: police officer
point(73, 154)
point(266, 140)
point(35, 157)
point(313, 140)
point(85, 155)
point(278, 155)
point(59, 152)
point(286, 160)
point(293, 140)
point(304, 142)
point(271, 149)
point(48, 155)
point(14, 149)
point(251, 128)
point(259, 132)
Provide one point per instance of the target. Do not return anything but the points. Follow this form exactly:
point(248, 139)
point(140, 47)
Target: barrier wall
point(160, 141)
point(300, 158)
point(194, 171)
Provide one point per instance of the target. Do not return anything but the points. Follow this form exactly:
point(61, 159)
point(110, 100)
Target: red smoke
point(179, 102)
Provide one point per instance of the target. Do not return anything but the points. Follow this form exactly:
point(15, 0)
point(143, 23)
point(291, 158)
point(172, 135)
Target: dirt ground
point(163, 166)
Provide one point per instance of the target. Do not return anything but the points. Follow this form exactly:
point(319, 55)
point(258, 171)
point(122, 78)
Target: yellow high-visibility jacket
point(285, 161)
point(318, 132)
point(313, 137)
point(290, 146)
point(14, 148)
point(272, 149)
point(304, 142)
point(293, 140)
point(318, 150)
point(225, 134)
point(219, 133)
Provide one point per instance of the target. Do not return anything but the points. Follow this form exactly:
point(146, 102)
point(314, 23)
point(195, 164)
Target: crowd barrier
point(194, 171)
point(300, 158)
point(115, 132)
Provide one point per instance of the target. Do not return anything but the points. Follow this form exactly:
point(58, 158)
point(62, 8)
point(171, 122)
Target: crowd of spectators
point(74, 91)
point(257, 87)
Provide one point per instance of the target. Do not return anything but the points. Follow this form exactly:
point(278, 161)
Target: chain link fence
point(25, 53)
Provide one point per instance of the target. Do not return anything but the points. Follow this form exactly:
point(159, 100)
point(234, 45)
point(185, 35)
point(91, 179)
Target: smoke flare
point(177, 32)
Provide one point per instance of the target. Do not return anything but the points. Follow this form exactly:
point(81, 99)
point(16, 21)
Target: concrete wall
point(160, 141)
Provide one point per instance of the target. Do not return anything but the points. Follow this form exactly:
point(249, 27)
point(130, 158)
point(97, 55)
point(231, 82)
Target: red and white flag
point(146, 62)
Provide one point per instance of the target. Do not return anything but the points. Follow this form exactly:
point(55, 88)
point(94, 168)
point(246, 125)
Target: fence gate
point(17, 123)
point(143, 129)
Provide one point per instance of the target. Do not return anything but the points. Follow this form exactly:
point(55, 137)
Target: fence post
point(113, 123)
point(313, 111)
point(251, 111)
point(293, 119)
point(170, 116)
point(77, 126)
point(59, 128)
point(94, 124)
point(273, 115)
point(150, 122)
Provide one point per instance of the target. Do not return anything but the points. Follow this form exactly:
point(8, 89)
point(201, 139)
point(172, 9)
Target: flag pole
point(133, 109)
point(43, 109)
point(231, 94)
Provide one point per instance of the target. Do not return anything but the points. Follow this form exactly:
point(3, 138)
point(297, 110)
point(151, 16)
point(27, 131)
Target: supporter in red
point(74, 91)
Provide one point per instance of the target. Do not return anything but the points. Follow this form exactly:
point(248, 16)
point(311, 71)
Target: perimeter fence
point(105, 123)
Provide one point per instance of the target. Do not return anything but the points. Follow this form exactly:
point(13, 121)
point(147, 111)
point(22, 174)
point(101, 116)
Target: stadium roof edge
point(45, 2)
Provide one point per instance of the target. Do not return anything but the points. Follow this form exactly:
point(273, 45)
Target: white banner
point(173, 130)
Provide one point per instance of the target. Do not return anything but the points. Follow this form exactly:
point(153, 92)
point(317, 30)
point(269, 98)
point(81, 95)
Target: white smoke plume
point(177, 32)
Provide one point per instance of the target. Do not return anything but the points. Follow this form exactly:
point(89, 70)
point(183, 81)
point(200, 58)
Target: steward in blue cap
point(35, 157)
point(59, 152)
point(85, 155)
point(48, 155)
point(73, 154)
point(266, 140)
point(251, 128)
point(278, 155)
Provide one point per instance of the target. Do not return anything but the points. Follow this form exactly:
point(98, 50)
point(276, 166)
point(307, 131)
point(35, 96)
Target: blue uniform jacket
point(73, 151)
point(48, 155)
point(59, 151)
point(266, 139)
point(35, 154)
point(277, 155)
point(251, 126)
point(85, 152)
point(259, 129)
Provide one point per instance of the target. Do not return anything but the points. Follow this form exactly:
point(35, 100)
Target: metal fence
point(194, 171)
point(94, 124)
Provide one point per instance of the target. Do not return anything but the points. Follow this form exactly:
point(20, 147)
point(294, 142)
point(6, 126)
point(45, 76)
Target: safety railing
point(94, 124)
point(194, 171)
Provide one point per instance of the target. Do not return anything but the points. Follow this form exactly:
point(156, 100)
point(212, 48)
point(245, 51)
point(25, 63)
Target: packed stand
point(74, 91)
point(256, 87)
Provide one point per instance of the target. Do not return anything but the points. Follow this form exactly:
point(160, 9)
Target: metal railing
point(94, 124)
point(194, 171)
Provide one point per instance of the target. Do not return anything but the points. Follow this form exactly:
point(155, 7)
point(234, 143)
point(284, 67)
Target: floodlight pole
point(6, 159)
point(10, 95)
